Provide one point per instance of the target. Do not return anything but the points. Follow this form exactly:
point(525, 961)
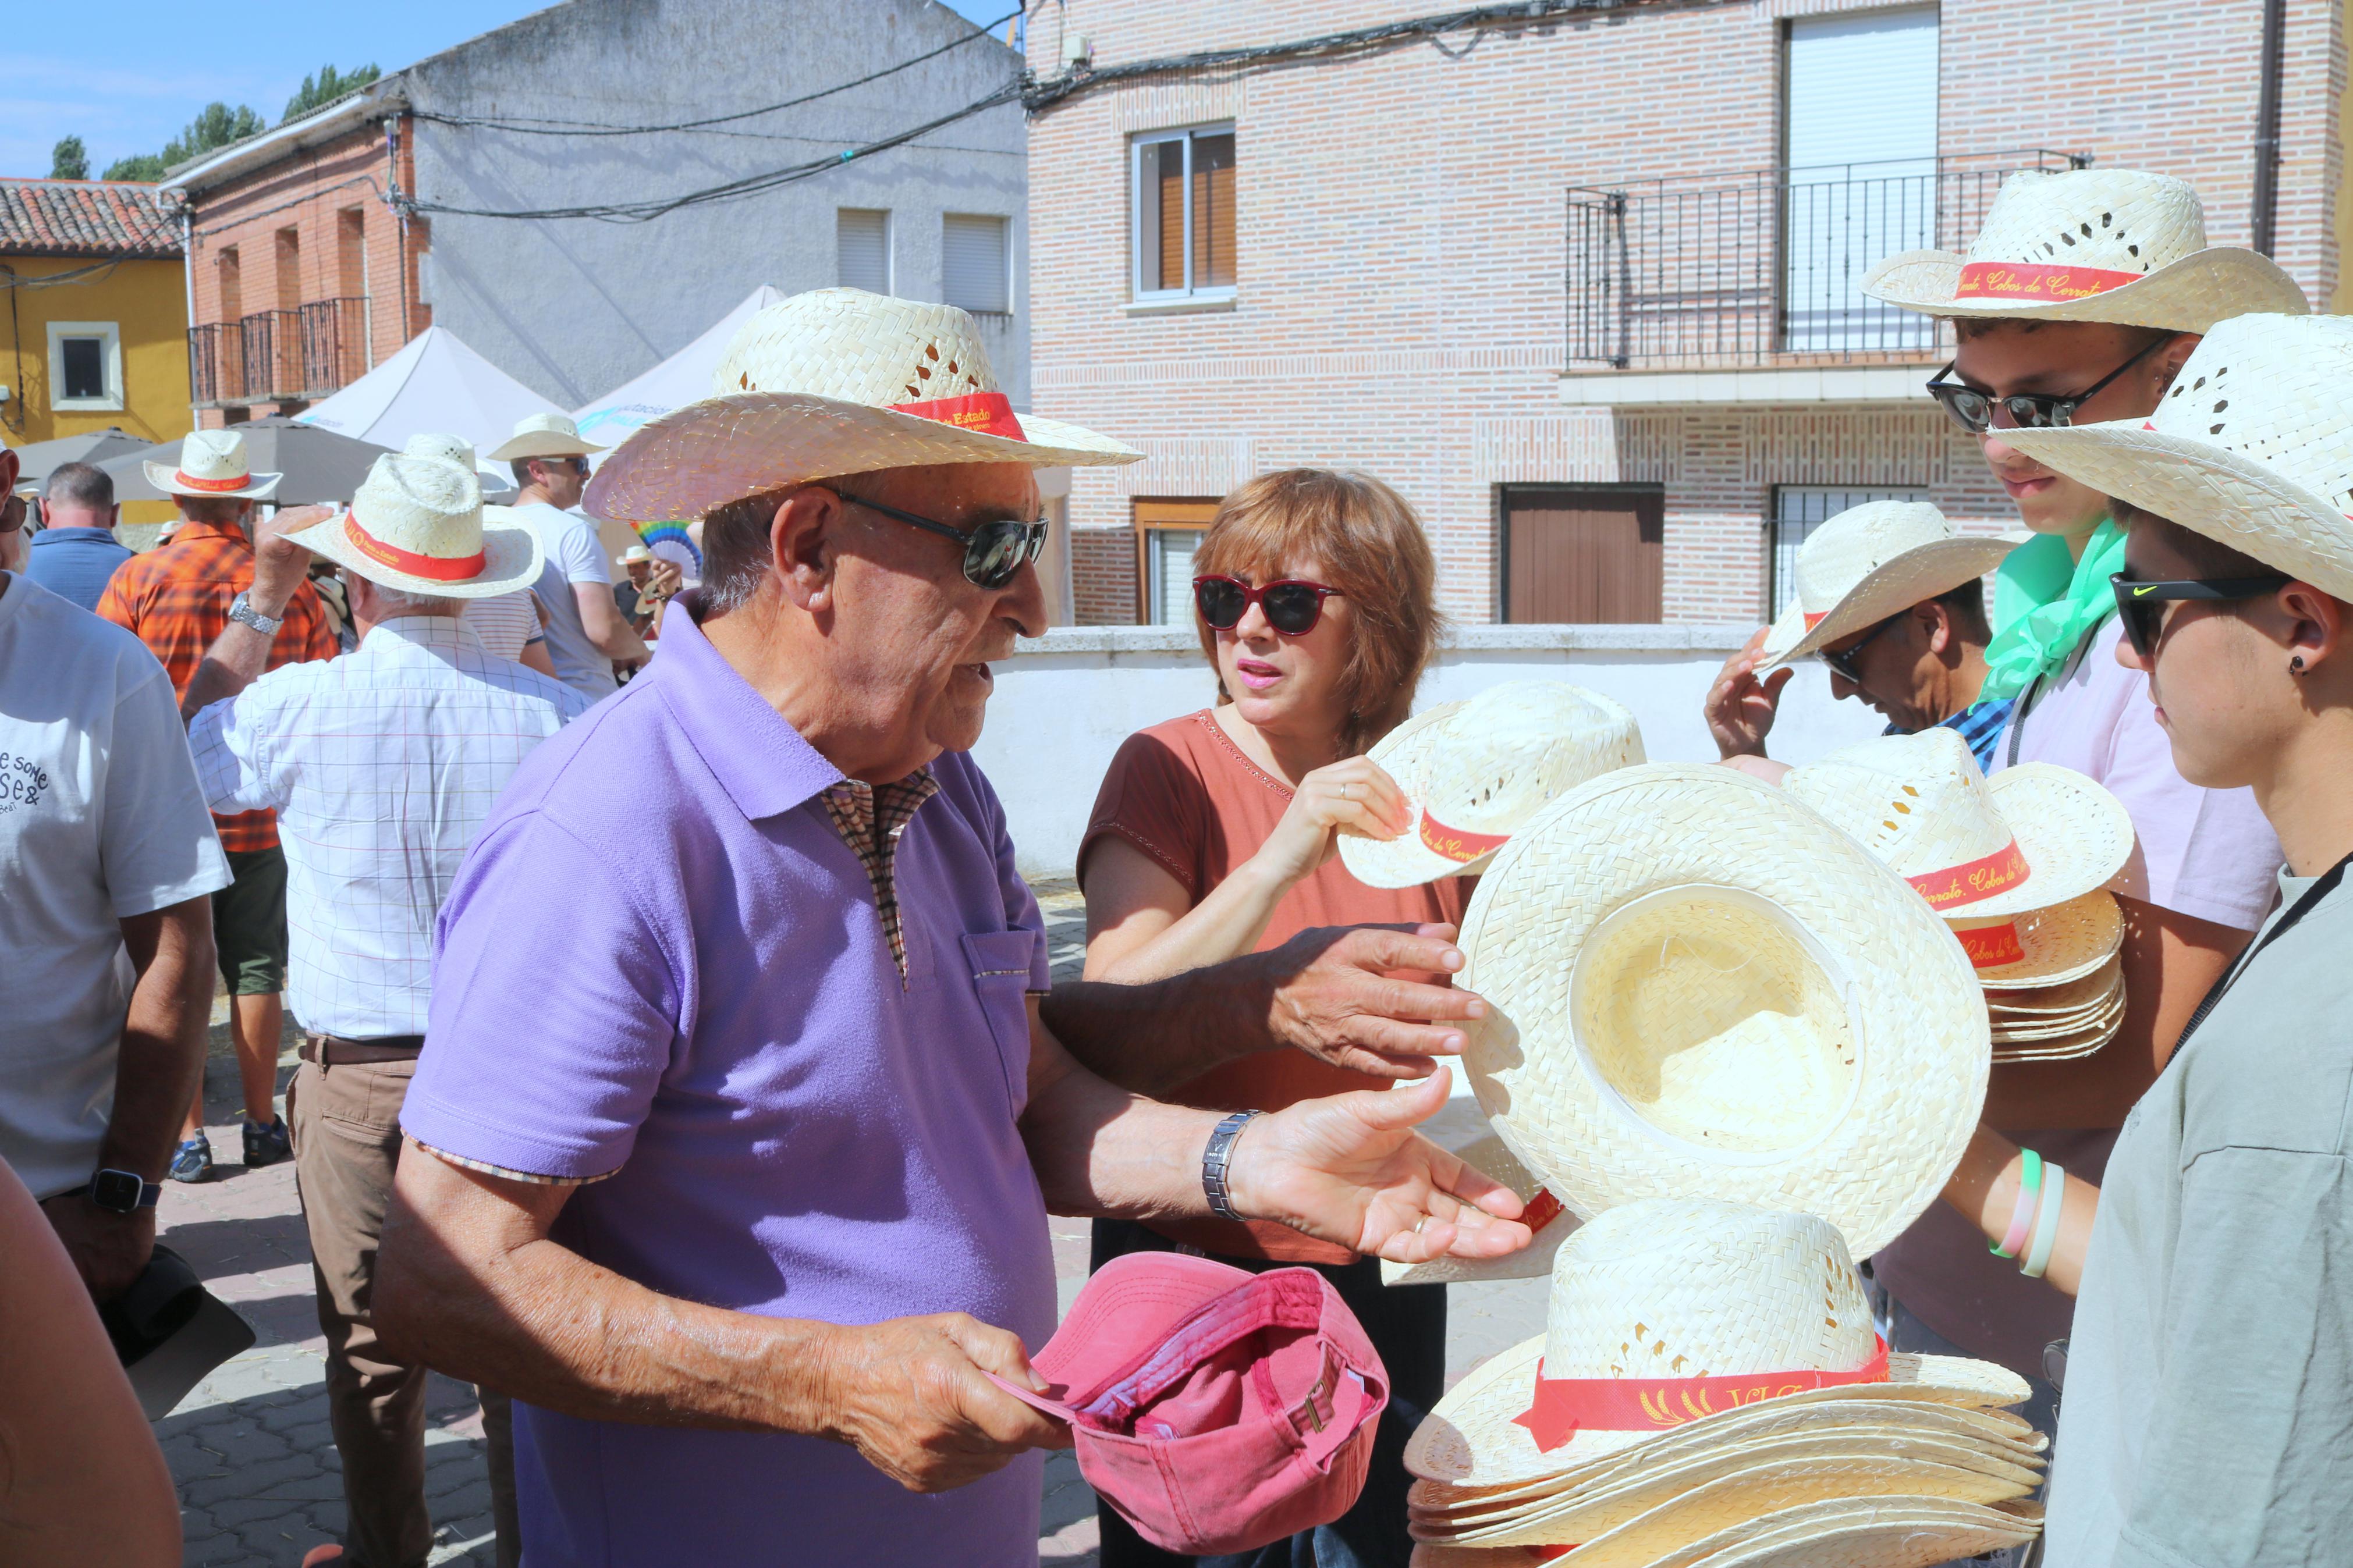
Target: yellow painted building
point(93, 316)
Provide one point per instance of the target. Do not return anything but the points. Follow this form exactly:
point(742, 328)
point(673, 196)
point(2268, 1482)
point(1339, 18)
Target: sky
point(127, 75)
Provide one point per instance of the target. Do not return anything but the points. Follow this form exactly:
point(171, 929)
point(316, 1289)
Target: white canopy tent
point(435, 383)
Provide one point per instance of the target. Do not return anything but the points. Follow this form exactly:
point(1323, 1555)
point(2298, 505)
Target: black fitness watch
point(124, 1192)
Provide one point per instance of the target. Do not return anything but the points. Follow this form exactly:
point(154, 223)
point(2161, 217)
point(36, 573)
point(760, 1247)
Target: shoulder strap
point(2304, 906)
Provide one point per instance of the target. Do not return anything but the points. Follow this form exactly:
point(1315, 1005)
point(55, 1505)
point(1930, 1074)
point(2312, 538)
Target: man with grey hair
point(423, 717)
point(76, 552)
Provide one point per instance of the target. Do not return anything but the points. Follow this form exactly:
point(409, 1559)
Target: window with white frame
point(1184, 203)
point(1799, 510)
point(976, 263)
point(85, 367)
point(861, 237)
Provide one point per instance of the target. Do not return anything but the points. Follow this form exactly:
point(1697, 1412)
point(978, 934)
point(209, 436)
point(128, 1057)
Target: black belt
point(333, 1052)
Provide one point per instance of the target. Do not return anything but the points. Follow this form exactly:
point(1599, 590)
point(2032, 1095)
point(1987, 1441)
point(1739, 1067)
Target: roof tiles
point(83, 217)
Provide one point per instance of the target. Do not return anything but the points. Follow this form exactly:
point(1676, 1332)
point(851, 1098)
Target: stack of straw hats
point(1709, 1391)
point(2016, 864)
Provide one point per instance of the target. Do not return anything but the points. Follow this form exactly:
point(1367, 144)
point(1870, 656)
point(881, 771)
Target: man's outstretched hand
point(1332, 997)
point(1351, 1169)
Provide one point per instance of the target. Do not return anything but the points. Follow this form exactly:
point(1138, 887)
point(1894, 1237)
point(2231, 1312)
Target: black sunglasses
point(1292, 605)
point(1974, 411)
point(2141, 606)
point(993, 552)
point(1843, 662)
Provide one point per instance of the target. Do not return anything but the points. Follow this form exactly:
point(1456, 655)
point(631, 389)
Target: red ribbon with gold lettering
point(1567, 1405)
point(210, 487)
point(1458, 844)
point(990, 413)
point(438, 568)
point(1976, 882)
point(1991, 946)
point(2028, 280)
point(1813, 620)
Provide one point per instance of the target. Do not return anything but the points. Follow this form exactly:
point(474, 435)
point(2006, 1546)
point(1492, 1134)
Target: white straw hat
point(633, 555)
point(1696, 987)
point(2033, 836)
point(212, 463)
point(2090, 245)
point(418, 525)
point(438, 444)
point(2055, 946)
point(1838, 1532)
point(1875, 561)
point(542, 436)
point(1474, 772)
point(1744, 1315)
point(834, 381)
point(2252, 447)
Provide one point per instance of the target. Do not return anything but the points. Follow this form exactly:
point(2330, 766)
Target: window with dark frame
point(81, 363)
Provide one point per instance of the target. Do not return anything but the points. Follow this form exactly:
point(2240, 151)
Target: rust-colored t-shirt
point(1185, 795)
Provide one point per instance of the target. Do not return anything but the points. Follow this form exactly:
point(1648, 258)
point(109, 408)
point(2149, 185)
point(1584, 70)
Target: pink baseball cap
point(1217, 1409)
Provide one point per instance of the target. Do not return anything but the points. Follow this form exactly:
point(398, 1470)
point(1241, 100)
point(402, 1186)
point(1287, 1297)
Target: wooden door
point(1584, 555)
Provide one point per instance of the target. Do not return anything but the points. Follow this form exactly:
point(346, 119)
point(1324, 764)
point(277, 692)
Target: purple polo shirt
point(662, 966)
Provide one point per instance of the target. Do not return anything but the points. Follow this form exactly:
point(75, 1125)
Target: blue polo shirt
point(75, 562)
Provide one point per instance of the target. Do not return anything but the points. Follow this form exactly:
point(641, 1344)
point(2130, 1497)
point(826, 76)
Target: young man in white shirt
point(586, 633)
point(108, 864)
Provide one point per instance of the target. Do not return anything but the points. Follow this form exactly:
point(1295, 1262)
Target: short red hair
point(1368, 544)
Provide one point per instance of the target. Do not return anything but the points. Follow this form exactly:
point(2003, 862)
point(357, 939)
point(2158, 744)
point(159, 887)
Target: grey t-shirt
point(574, 555)
point(2208, 1415)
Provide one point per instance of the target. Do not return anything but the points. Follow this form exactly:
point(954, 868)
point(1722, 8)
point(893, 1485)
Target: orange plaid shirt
point(175, 599)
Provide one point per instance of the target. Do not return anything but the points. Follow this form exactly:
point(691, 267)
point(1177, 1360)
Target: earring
point(2295, 665)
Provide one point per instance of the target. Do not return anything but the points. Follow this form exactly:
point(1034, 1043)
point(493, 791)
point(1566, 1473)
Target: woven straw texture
point(2252, 447)
point(428, 506)
point(1699, 987)
point(1871, 561)
point(2063, 943)
point(1871, 1532)
point(805, 392)
point(1486, 766)
point(544, 436)
point(216, 456)
point(1682, 1288)
point(2116, 221)
point(1919, 803)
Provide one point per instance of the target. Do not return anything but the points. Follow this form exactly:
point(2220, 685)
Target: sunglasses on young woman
point(1292, 605)
point(2143, 606)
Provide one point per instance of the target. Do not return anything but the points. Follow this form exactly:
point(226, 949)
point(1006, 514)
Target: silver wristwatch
point(241, 609)
point(1216, 1158)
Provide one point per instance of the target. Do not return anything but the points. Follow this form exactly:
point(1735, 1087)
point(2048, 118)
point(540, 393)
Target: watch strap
point(241, 610)
point(1217, 1158)
point(150, 1193)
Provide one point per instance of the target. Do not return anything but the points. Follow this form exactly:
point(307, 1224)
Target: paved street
point(260, 1483)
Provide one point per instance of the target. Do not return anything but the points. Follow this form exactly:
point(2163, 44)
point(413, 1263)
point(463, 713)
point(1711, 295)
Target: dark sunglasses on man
point(993, 550)
point(1843, 661)
point(1292, 605)
point(1978, 411)
point(2141, 607)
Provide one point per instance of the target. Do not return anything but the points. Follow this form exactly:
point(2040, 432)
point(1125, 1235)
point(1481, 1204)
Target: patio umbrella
point(39, 459)
point(319, 464)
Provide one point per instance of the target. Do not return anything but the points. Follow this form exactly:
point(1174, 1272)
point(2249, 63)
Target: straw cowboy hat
point(633, 555)
point(418, 525)
point(1703, 1365)
point(1697, 987)
point(1875, 561)
point(834, 381)
point(212, 463)
point(2090, 245)
point(542, 436)
point(2252, 448)
point(1474, 772)
point(1863, 1533)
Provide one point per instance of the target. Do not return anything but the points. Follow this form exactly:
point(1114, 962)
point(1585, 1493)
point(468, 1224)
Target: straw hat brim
point(2209, 490)
point(1406, 861)
point(2186, 296)
point(1838, 1532)
point(1469, 1439)
point(1889, 589)
point(511, 558)
point(1917, 1072)
point(542, 444)
point(2074, 835)
point(164, 477)
point(2062, 942)
point(681, 466)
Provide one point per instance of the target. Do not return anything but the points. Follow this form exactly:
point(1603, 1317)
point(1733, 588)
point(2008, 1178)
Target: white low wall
point(1065, 701)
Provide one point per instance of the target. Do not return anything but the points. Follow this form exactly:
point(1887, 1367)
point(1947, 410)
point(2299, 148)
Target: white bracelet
point(2046, 1222)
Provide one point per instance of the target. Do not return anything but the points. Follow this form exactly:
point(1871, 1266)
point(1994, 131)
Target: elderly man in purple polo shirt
point(747, 1115)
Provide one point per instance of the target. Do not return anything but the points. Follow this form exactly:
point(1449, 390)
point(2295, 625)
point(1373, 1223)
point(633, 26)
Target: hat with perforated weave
point(830, 382)
point(2090, 245)
point(1873, 560)
point(2252, 447)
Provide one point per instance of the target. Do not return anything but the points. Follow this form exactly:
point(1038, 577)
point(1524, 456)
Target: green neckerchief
point(2045, 605)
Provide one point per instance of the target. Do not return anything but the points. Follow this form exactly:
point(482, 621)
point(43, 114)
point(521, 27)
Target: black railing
point(1751, 268)
point(277, 355)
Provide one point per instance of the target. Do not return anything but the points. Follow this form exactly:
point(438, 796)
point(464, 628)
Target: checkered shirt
point(175, 599)
point(381, 766)
point(870, 820)
point(1980, 724)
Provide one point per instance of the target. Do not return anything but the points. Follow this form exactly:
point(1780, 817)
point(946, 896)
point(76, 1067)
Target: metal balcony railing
point(1763, 268)
point(279, 355)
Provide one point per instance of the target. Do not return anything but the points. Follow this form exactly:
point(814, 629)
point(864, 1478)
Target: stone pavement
point(259, 1481)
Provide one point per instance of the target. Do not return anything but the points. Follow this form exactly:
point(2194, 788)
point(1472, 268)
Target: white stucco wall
point(1065, 701)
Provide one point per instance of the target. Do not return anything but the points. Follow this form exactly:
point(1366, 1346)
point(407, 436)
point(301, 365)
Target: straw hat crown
point(1875, 561)
point(1673, 1288)
point(212, 463)
point(2121, 245)
point(418, 525)
point(2251, 446)
point(448, 448)
point(825, 342)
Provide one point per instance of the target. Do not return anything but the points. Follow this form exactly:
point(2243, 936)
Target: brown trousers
point(345, 1122)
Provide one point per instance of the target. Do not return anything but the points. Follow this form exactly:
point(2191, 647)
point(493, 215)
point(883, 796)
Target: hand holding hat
point(281, 563)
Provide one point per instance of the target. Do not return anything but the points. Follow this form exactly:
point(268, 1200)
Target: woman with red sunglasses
point(1214, 835)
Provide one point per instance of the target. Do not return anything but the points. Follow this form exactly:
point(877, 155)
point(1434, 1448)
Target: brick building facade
point(1446, 263)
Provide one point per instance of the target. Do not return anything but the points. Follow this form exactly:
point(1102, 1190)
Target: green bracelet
point(2022, 1215)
